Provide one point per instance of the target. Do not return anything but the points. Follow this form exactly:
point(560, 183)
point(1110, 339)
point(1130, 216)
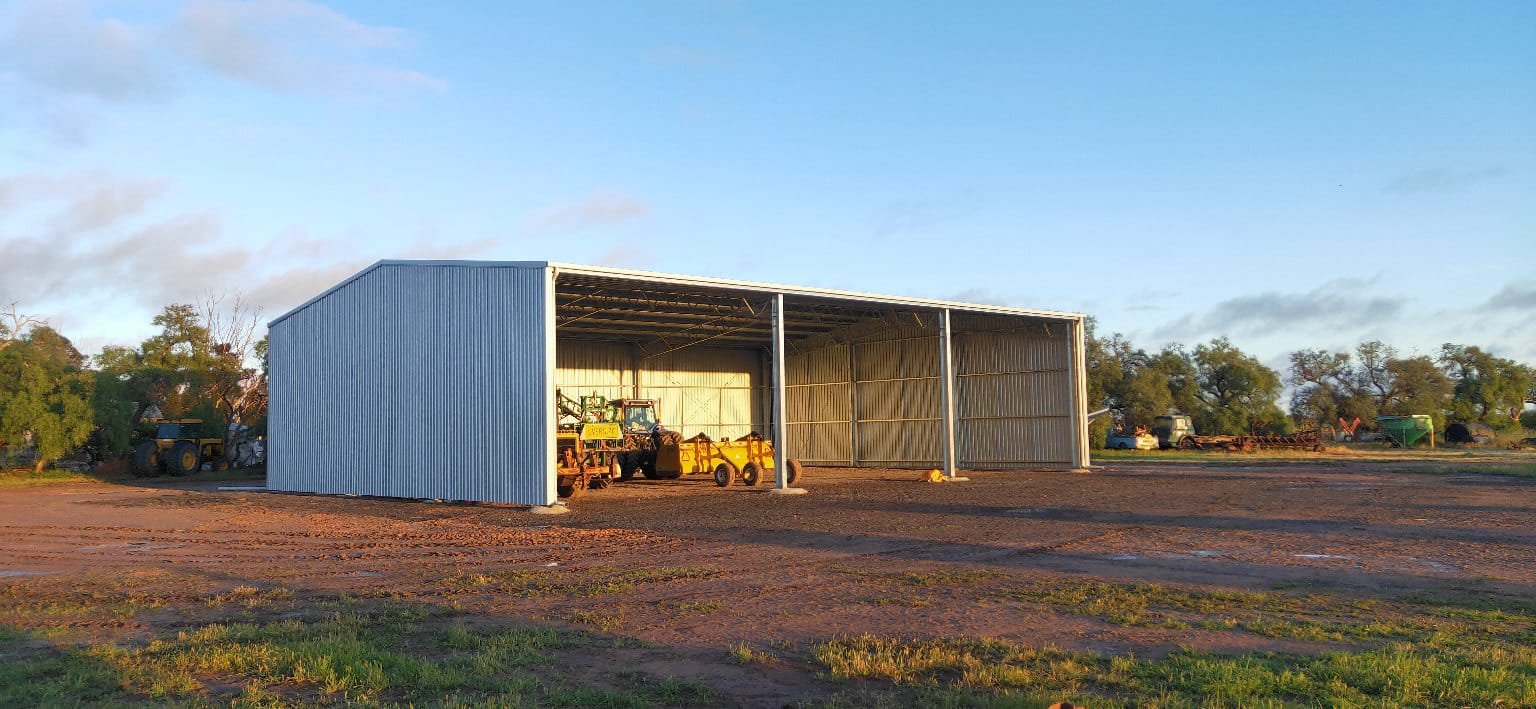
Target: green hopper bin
point(1404, 431)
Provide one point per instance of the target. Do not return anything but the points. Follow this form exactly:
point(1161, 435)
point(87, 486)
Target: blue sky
point(1287, 174)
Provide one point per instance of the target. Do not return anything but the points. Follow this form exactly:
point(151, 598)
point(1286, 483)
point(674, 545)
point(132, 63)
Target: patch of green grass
point(600, 581)
point(28, 478)
point(956, 577)
point(607, 622)
point(744, 654)
point(905, 601)
point(960, 670)
point(360, 654)
point(1312, 617)
point(690, 607)
point(249, 597)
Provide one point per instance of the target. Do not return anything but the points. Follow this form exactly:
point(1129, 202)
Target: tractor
point(599, 440)
point(178, 448)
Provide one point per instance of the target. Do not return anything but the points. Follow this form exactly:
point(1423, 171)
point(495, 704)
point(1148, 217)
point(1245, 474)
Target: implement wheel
point(146, 459)
point(750, 474)
point(576, 485)
point(724, 474)
point(793, 478)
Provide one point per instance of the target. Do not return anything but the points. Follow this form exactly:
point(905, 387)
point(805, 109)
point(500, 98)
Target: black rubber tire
point(750, 475)
point(178, 457)
point(146, 459)
point(795, 472)
point(724, 475)
point(649, 471)
point(627, 467)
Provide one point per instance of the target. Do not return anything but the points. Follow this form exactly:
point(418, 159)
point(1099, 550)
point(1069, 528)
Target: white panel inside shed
point(711, 390)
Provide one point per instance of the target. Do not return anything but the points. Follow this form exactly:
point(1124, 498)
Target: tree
point(1373, 381)
point(1419, 387)
point(1485, 387)
point(1237, 392)
point(45, 397)
point(205, 362)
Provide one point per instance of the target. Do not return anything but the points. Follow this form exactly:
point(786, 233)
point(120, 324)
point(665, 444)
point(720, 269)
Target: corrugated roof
point(702, 305)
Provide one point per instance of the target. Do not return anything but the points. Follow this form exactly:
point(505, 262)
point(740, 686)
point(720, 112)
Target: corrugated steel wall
point(897, 388)
point(1013, 395)
point(584, 368)
point(416, 381)
point(709, 390)
point(818, 405)
point(1013, 400)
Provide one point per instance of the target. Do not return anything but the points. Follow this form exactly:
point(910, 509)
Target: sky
point(1288, 175)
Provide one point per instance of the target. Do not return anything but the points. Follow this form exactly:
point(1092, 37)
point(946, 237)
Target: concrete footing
point(558, 508)
point(957, 479)
point(787, 491)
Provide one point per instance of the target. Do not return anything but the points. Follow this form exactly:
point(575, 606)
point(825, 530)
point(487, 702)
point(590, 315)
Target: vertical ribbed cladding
point(586, 368)
point(710, 390)
point(818, 406)
point(899, 400)
point(1014, 397)
point(415, 381)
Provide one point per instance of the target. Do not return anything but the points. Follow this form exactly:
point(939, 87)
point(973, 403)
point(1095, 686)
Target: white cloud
point(290, 45)
point(599, 208)
point(59, 44)
point(61, 58)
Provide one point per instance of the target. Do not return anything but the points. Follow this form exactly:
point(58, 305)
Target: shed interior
point(863, 378)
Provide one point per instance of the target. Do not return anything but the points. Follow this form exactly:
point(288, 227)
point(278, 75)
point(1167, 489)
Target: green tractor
point(178, 448)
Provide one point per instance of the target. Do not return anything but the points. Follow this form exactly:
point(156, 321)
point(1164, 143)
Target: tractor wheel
point(794, 473)
point(749, 474)
point(724, 474)
point(649, 471)
point(146, 459)
point(627, 467)
point(184, 459)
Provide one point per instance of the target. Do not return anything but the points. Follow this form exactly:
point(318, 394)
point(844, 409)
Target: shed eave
point(807, 291)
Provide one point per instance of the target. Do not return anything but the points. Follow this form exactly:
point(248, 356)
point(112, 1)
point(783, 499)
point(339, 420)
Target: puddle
point(1207, 553)
point(1442, 567)
point(1122, 557)
point(12, 573)
point(130, 547)
point(1320, 556)
point(367, 574)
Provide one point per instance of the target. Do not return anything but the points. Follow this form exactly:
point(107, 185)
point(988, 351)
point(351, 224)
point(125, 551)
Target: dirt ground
point(867, 551)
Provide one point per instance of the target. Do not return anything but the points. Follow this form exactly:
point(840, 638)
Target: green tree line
point(1227, 391)
point(203, 362)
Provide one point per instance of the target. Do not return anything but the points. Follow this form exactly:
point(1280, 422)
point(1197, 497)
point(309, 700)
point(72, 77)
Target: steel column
point(947, 394)
point(1079, 365)
point(780, 431)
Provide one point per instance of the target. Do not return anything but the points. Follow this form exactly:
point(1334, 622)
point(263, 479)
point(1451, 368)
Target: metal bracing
point(780, 441)
point(947, 391)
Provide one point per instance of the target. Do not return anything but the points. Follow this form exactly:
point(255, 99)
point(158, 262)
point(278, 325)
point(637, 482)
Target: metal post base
point(787, 491)
point(957, 479)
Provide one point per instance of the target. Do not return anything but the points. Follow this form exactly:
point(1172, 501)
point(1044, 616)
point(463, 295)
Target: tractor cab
point(638, 415)
point(178, 429)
